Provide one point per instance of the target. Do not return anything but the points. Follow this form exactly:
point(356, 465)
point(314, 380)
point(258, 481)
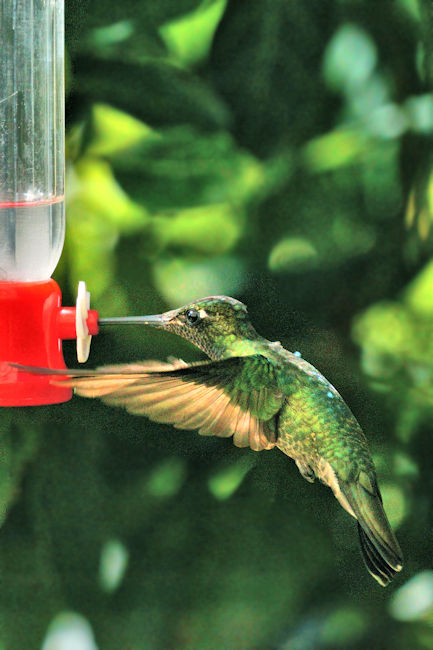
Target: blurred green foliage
point(278, 151)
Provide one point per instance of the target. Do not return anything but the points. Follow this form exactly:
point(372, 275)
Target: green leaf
point(93, 188)
point(181, 280)
point(186, 167)
point(83, 16)
point(335, 149)
point(211, 229)
point(188, 39)
point(419, 294)
point(155, 92)
point(98, 213)
point(113, 131)
point(292, 254)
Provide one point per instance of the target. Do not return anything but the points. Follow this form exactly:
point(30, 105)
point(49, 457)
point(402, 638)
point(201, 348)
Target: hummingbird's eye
point(192, 316)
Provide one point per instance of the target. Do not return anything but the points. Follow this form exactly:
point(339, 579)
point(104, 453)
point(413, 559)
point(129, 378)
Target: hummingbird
point(263, 396)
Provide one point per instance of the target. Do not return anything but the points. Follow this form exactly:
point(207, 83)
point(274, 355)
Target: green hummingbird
point(262, 395)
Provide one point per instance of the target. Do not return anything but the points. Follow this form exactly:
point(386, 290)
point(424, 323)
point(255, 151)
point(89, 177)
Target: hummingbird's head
point(218, 325)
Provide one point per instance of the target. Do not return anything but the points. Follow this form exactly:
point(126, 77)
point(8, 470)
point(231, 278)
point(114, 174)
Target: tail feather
point(376, 565)
point(380, 549)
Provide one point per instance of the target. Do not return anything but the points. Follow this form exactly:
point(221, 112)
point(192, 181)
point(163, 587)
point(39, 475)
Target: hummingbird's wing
point(235, 397)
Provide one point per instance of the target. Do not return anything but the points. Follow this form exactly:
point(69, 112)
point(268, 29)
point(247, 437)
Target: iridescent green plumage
point(263, 396)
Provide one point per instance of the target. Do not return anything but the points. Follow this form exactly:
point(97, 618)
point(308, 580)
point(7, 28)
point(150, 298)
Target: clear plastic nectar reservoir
point(32, 217)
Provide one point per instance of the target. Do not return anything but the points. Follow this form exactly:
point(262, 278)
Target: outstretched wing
point(236, 397)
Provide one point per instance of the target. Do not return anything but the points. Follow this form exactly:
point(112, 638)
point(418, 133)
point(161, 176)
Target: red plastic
point(66, 322)
point(32, 325)
point(25, 204)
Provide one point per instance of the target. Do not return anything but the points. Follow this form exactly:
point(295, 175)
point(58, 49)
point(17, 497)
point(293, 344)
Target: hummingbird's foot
point(305, 470)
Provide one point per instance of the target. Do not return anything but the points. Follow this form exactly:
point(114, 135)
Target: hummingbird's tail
point(380, 549)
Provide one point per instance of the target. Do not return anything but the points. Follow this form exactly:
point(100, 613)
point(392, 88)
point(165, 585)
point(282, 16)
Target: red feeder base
point(29, 334)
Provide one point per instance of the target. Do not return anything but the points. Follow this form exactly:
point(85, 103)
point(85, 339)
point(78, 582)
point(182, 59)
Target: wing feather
point(215, 423)
point(225, 419)
point(236, 397)
point(241, 435)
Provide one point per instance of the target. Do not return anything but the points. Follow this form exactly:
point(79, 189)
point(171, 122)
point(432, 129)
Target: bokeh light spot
point(414, 599)
point(69, 631)
point(113, 564)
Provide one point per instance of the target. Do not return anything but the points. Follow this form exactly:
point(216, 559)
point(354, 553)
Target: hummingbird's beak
point(158, 320)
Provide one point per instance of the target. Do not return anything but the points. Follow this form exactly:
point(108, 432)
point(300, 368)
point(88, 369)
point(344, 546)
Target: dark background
point(277, 151)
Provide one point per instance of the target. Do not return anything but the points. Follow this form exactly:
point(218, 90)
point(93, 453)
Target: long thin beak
point(157, 321)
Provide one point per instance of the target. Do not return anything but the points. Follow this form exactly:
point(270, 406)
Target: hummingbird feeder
point(33, 322)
